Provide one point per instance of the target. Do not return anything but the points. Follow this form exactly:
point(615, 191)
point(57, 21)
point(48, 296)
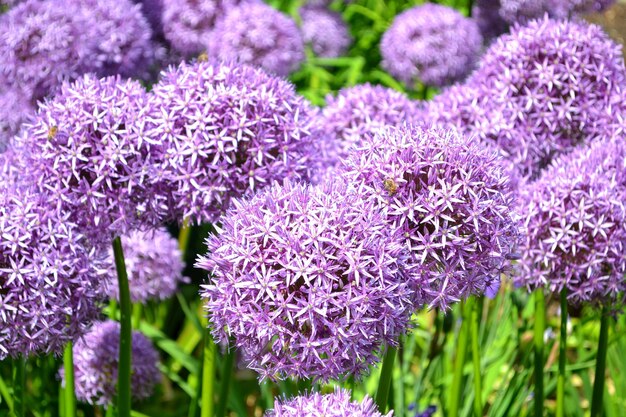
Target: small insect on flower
point(52, 132)
point(391, 186)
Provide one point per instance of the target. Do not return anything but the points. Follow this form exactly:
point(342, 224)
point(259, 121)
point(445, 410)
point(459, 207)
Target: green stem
point(124, 366)
point(19, 387)
point(208, 376)
point(540, 325)
point(384, 383)
point(227, 372)
point(137, 315)
point(474, 320)
point(68, 369)
point(598, 383)
point(560, 382)
point(457, 377)
point(183, 237)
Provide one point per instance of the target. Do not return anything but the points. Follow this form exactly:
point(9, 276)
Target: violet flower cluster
point(228, 129)
point(575, 218)
point(449, 198)
point(538, 92)
point(50, 289)
point(96, 357)
point(308, 281)
point(15, 109)
point(524, 10)
point(336, 404)
point(325, 31)
point(430, 43)
point(154, 265)
point(258, 35)
point(486, 13)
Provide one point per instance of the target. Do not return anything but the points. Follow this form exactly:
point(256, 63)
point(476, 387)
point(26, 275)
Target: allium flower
point(153, 11)
point(96, 358)
point(524, 10)
point(230, 129)
point(326, 31)
point(450, 199)
point(154, 264)
point(431, 43)
point(49, 281)
point(258, 35)
point(486, 13)
point(576, 225)
point(308, 281)
point(538, 92)
point(337, 404)
point(15, 109)
point(87, 149)
point(188, 24)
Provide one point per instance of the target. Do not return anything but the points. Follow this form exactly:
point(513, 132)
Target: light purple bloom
point(524, 10)
point(430, 43)
point(154, 265)
point(15, 109)
point(450, 199)
point(336, 404)
point(308, 281)
point(258, 35)
point(96, 358)
point(486, 13)
point(326, 31)
point(229, 128)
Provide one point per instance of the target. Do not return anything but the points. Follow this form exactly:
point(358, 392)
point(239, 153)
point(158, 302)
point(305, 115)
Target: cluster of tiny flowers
point(153, 11)
point(308, 281)
point(50, 289)
point(85, 148)
point(326, 31)
point(450, 199)
point(336, 404)
point(15, 109)
point(154, 265)
point(538, 92)
point(576, 225)
point(524, 10)
point(96, 357)
point(229, 129)
point(258, 35)
point(486, 13)
point(188, 24)
point(430, 43)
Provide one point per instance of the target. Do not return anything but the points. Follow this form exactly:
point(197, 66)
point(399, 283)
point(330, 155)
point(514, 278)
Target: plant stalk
point(19, 387)
point(207, 406)
point(68, 369)
point(540, 325)
point(598, 383)
point(384, 383)
point(461, 352)
point(227, 372)
point(474, 320)
point(560, 382)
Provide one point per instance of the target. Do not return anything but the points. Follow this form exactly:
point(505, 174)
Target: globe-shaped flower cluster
point(228, 129)
point(308, 281)
point(336, 404)
point(96, 357)
point(524, 10)
point(449, 197)
point(430, 43)
point(575, 218)
point(325, 31)
point(49, 278)
point(15, 109)
point(258, 35)
point(154, 265)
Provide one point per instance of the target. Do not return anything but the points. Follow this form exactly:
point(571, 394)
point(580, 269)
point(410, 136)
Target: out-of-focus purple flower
point(575, 219)
point(15, 109)
point(522, 11)
point(431, 43)
point(154, 264)
point(428, 412)
point(229, 128)
point(188, 24)
point(538, 92)
point(450, 199)
point(50, 284)
point(258, 35)
point(86, 147)
point(96, 358)
point(326, 31)
point(486, 13)
point(308, 281)
point(153, 11)
point(336, 404)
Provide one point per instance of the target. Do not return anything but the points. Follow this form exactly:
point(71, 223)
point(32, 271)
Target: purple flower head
point(538, 92)
point(96, 358)
point(50, 291)
point(153, 11)
point(336, 404)
point(258, 35)
point(154, 264)
point(576, 225)
point(188, 24)
point(86, 148)
point(15, 109)
point(326, 31)
point(431, 43)
point(522, 11)
point(449, 197)
point(40, 46)
point(486, 13)
point(230, 128)
point(308, 281)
